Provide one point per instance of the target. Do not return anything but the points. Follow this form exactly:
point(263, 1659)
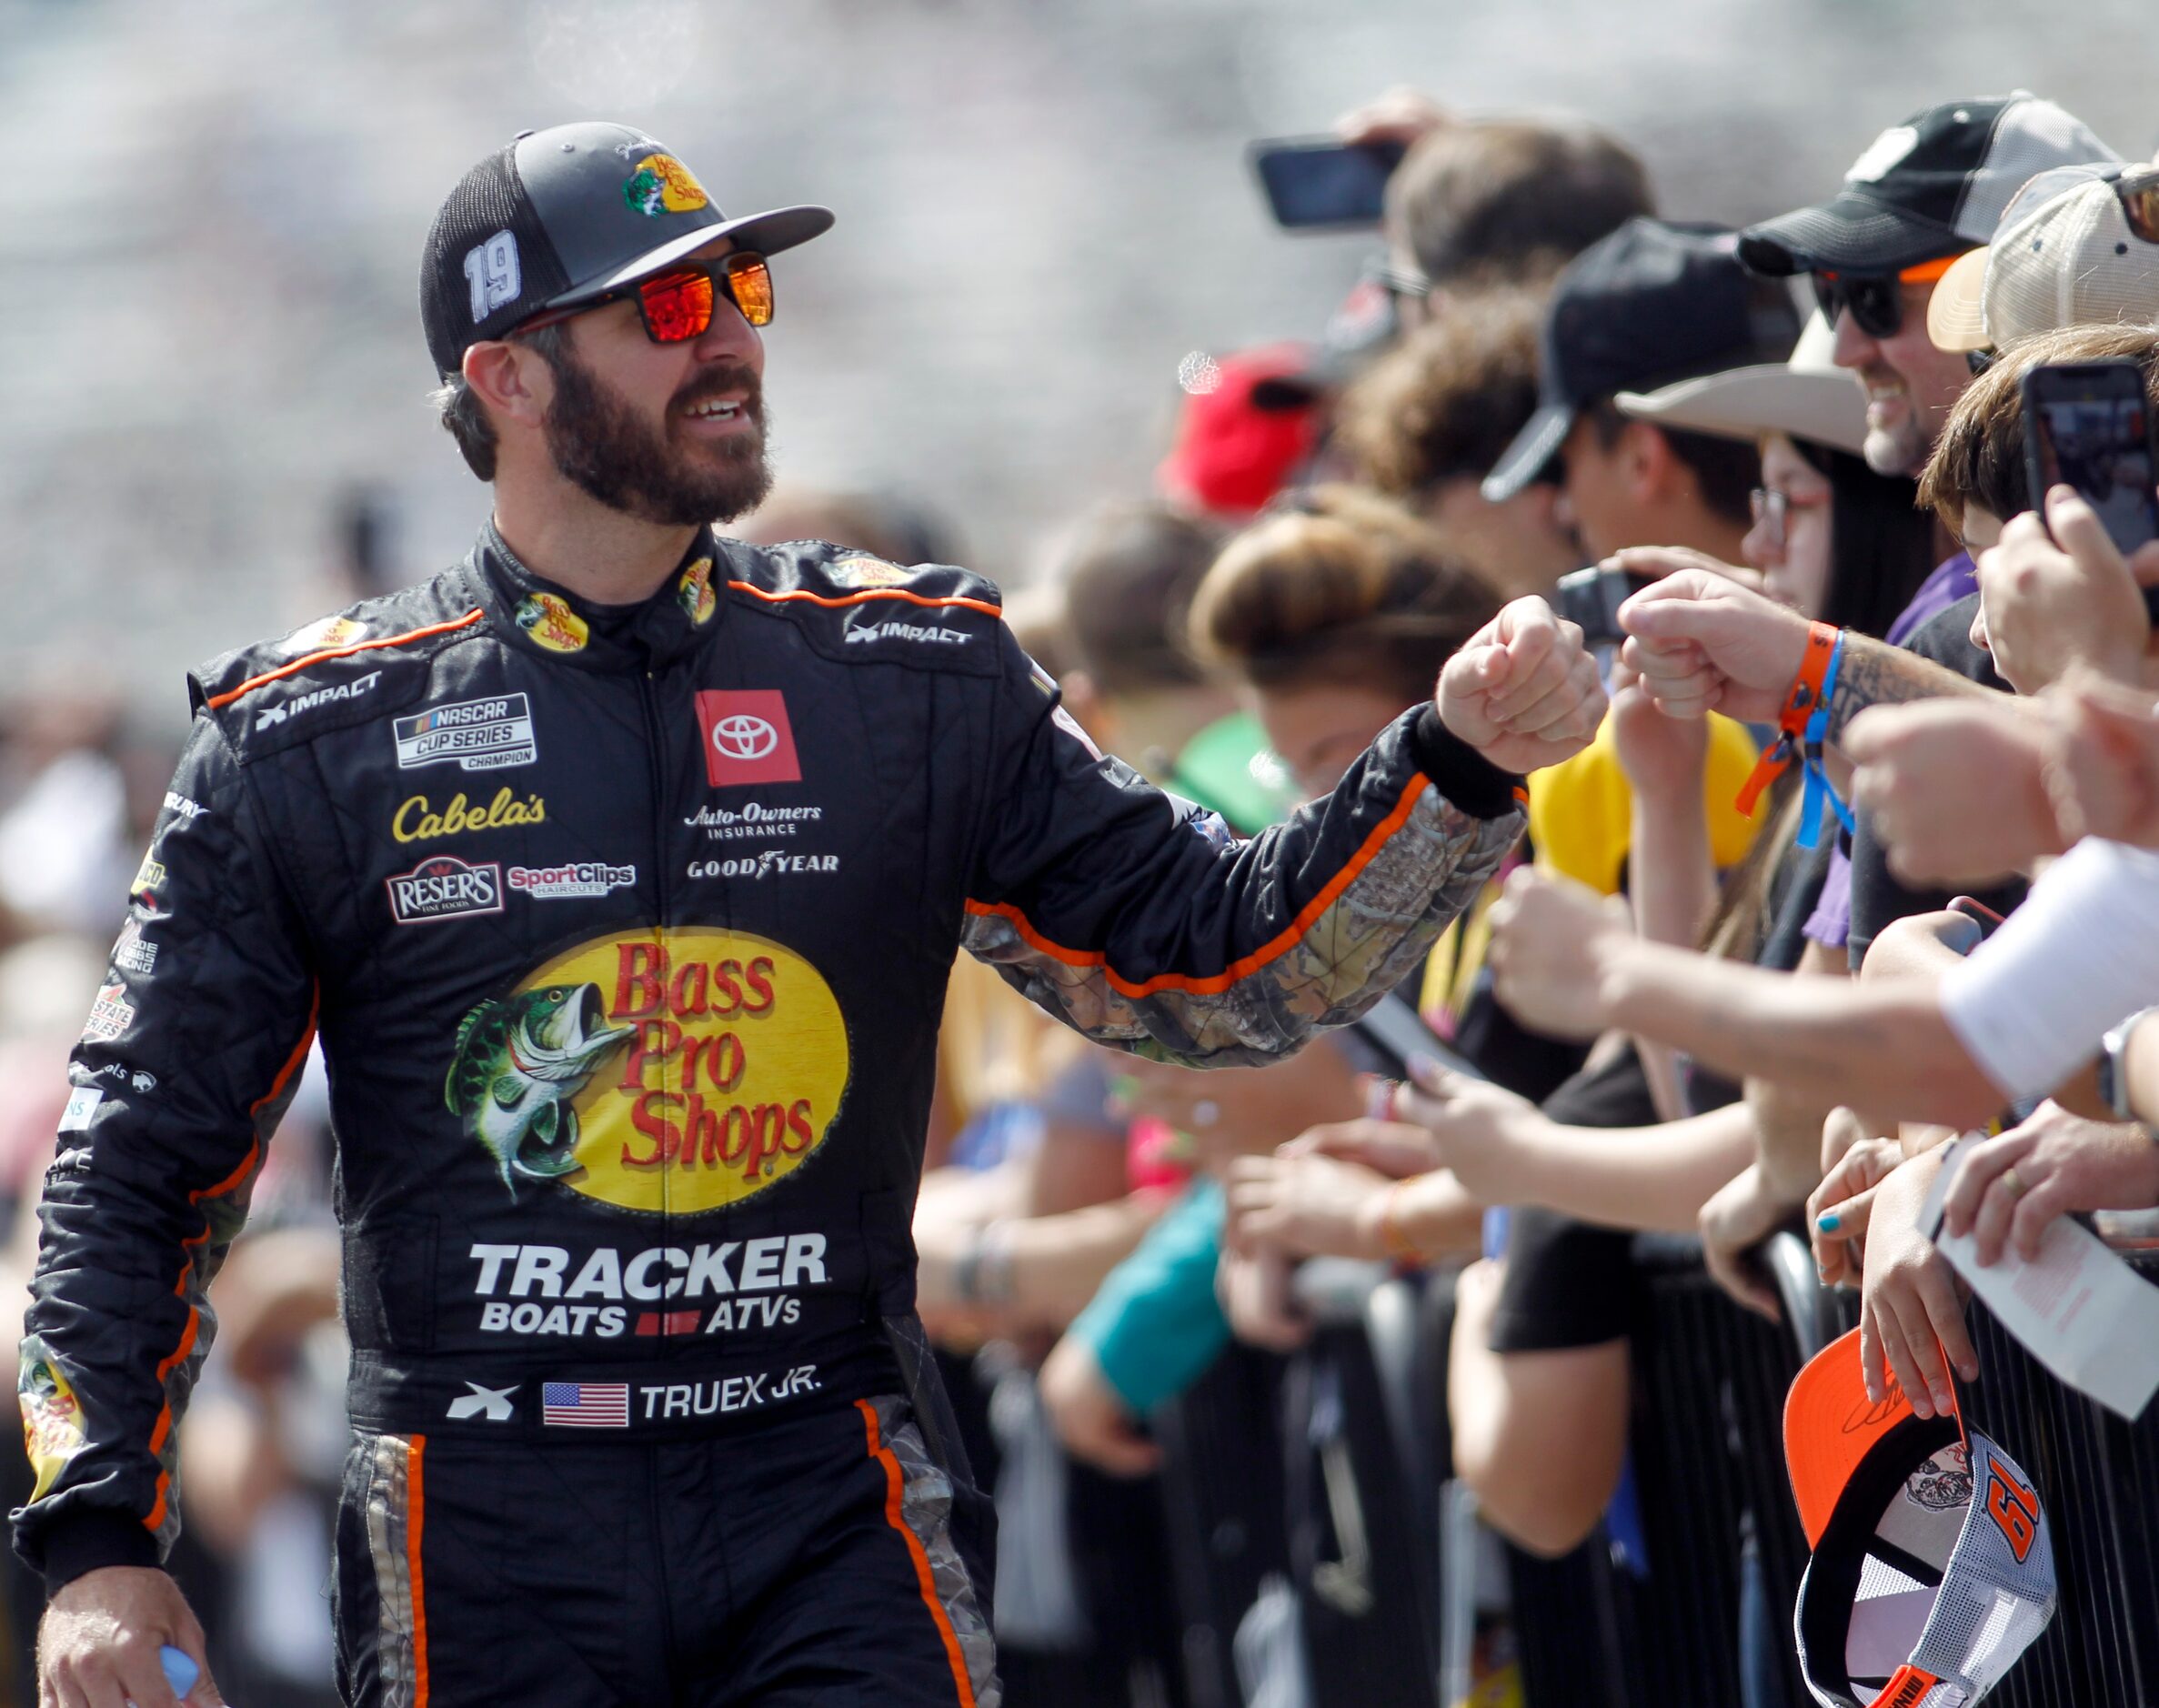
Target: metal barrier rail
point(1719, 1530)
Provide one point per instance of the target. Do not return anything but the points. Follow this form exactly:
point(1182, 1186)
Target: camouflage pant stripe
point(394, 1510)
point(919, 1507)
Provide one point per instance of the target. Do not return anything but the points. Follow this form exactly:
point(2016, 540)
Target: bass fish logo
point(549, 620)
point(52, 1416)
point(694, 592)
point(671, 1072)
point(518, 1063)
point(663, 184)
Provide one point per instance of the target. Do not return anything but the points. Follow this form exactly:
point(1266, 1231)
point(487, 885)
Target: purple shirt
point(1830, 922)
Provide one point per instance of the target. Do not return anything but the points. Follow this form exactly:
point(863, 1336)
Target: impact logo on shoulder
point(477, 735)
point(270, 717)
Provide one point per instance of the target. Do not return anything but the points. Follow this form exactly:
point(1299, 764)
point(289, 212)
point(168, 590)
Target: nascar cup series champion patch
point(1933, 1567)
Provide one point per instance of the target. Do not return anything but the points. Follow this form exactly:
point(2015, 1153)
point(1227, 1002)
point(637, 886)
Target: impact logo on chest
point(671, 1072)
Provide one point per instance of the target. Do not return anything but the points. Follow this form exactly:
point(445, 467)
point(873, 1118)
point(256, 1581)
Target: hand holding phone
point(1321, 182)
point(2087, 425)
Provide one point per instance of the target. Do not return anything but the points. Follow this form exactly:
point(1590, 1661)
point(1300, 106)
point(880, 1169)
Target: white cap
point(1808, 396)
point(2064, 257)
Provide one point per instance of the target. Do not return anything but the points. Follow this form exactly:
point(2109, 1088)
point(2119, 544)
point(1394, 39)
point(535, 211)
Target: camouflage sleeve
point(190, 1055)
point(1141, 923)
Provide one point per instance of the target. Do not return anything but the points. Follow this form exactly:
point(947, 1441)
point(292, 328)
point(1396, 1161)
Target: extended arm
point(1139, 922)
point(1703, 643)
point(1565, 964)
point(1646, 1178)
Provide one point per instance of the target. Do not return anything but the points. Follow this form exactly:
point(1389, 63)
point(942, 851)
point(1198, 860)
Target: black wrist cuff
point(1465, 776)
point(85, 1541)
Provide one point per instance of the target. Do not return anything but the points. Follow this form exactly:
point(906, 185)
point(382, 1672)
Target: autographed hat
point(562, 215)
point(1652, 303)
point(2064, 256)
point(1808, 396)
point(1928, 187)
point(1933, 1567)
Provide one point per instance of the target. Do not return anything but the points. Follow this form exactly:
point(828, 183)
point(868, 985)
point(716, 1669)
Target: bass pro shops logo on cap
point(670, 1072)
point(747, 738)
point(663, 184)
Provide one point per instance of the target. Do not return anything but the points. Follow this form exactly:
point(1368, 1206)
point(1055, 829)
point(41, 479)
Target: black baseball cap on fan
point(564, 215)
point(1653, 303)
point(1933, 185)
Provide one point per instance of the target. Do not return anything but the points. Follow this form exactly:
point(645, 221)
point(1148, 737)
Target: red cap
point(1231, 456)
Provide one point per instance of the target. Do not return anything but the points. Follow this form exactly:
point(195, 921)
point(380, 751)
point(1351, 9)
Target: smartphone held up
point(1317, 184)
point(2087, 425)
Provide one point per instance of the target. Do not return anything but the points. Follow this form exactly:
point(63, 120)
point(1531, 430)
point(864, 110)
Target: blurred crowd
point(1779, 477)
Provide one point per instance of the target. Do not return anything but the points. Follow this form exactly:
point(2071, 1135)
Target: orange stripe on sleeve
point(834, 603)
point(1275, 947)
point(163, 1428)
point(415, 1513)
point(218, 701)
point(896, 1516)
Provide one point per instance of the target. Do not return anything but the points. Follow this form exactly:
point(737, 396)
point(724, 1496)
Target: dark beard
point(609, 454)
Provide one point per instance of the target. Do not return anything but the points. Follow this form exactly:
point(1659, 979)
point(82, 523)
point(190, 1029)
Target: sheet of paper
point(2077, 1308)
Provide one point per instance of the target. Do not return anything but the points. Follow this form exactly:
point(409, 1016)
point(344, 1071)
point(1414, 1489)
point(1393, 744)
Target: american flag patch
point(601, 1405)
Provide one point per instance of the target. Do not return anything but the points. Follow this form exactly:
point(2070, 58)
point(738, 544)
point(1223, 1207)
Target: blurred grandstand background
point(211, 216)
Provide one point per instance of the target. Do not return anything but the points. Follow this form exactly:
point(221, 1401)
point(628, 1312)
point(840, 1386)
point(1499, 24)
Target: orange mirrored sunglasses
point(677, 304)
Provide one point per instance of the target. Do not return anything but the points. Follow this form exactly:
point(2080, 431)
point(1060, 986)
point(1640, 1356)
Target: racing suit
point(625, 932)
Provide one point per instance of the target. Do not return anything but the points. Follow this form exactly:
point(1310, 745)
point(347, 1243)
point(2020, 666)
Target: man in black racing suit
point(620, 870)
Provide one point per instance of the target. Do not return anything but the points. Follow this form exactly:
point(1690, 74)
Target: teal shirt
point(1155, 1324)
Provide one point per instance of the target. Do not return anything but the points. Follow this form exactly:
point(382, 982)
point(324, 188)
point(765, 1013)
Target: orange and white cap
point(1932, 1568)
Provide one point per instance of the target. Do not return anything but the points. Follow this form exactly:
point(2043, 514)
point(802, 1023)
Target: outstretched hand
point(1549, 937)
point(1702, 643)
point(1956, 790)
point(2049, 608)
point(1523, 690)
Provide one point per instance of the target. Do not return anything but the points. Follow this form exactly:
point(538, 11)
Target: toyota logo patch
point(742, 737)
point(747, 738)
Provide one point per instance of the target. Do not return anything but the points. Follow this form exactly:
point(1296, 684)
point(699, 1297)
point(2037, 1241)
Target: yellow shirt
point(1582, 811)
point(1580, 823)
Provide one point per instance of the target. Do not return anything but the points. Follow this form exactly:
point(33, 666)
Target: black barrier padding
point(1707, 1441)
point(1365, 1583)
point(1567, 1629)
point(1224, 1509)
point(2096, 1476)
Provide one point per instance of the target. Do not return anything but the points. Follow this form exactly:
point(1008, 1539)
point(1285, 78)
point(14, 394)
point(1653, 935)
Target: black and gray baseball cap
point(1931, 186)
point(1654, 302)
point(562, 215)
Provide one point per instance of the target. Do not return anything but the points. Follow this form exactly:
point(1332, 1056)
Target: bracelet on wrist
point(1802, 731)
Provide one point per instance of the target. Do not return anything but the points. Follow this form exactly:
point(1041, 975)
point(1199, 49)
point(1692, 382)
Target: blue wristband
point(1818, 789)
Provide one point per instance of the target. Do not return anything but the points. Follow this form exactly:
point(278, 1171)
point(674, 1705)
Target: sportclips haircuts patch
point(671, 1072)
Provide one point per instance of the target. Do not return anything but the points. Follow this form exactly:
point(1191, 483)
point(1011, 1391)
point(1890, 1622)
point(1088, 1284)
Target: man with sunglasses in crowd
point(1923, 193)
point(621, 868)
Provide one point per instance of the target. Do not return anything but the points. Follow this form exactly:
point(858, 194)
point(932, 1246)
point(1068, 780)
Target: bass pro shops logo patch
point(670, 1072)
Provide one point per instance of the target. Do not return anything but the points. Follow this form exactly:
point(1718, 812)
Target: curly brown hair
point(1446, 401)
